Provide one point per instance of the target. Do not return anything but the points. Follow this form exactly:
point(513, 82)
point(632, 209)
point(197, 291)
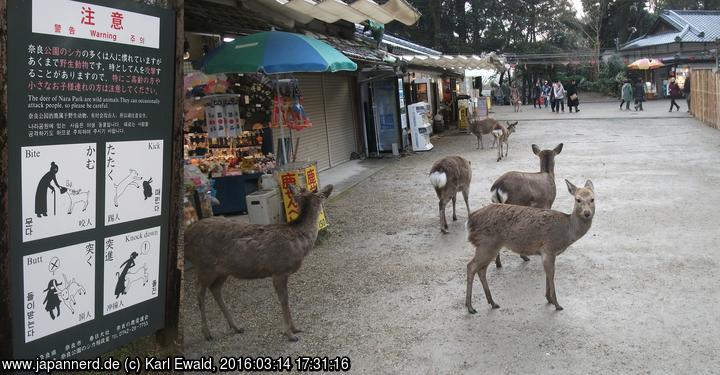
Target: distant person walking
point(537, 95)
point(686, 91)
point(559, 92)
point(626, 95)
point(639, 94)
point(674, 94)
point(572, 97)
point(515, 97)
point(546, 93)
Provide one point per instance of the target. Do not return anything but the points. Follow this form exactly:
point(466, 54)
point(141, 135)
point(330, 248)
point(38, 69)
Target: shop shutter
point(313, 141)
point(339, 114)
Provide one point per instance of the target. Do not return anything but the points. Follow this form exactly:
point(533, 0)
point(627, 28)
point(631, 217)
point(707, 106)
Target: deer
point(450, 175)
point(219, 248)
point(479, 127)
point(526, 231)
point(502, 136)
point(526, 188)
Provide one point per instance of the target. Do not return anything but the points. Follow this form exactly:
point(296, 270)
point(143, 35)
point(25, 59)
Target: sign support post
point(5, 314)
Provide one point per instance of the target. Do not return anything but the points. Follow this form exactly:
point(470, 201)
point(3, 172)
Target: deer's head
point(584, 207)
point(511, 127)
point(303, 196)
point(547, 157)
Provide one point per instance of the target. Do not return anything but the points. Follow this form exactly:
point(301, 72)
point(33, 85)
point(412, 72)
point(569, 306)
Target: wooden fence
point(705, 96)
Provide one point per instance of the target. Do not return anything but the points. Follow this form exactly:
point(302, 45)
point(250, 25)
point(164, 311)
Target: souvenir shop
point(228, 138)
point(233, 141)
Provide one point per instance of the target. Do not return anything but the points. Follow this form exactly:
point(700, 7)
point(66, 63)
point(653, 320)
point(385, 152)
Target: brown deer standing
point(502, 137)
point(480, 127)
point(526, 231)
point(528, 189)
point(450, 175)
point(219, 248)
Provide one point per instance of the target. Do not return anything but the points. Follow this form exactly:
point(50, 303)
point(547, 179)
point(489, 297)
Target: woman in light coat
point(559, 92)
point(626, 94)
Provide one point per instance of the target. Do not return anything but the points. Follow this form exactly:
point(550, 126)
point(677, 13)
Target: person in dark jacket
point(572, 96)
point(674, 94)
point(537, 95)
point(639, 94)
point(686, 91)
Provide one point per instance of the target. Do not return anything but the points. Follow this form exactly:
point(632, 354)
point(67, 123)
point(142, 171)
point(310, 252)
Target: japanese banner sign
point(91, 88)
point(304, 177)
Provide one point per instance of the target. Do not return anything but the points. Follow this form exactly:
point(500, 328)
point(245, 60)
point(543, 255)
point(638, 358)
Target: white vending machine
point(420, 126)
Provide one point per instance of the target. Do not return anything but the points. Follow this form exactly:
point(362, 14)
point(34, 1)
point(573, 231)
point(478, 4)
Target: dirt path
point(386, 288)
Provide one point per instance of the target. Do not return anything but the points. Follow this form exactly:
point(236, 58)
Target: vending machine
point(420, 126)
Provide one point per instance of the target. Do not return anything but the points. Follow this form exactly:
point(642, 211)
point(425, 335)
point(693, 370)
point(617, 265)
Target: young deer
point(526, 231)
point(219, 248)
point(450, 175)
point(502, 136)
point(528, 189)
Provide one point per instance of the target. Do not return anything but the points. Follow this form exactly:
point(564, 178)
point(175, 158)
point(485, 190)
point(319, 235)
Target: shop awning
point(353, 11)
point(457, 63)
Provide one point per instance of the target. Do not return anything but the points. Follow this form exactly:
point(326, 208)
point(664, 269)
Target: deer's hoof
point(558, 308)
point(293, 338)
point(472, 311)
point(454, 218)
point(524, 258)
point(238, 330)
point(444, 230)
point(208, 337)
point(495, 305)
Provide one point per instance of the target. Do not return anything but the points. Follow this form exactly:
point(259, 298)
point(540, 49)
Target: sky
point(578, 7)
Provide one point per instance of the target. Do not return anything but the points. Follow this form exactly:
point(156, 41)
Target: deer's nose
point(587, 214)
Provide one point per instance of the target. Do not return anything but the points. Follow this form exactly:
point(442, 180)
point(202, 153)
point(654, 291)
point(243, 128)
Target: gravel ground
point(386, 288)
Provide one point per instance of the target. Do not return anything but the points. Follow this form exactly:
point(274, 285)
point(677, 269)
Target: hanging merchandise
point(211, 121)
point(288, 103)
point(220, 119)
point(232, 116)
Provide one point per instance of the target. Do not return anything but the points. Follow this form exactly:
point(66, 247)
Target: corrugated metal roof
point(693, 26)
point(214, 18)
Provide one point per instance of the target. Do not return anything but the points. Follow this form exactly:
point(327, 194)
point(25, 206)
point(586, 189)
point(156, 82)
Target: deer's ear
point(326, 191)
point(571, 188)
point(536, 149)
point(558, 148)
point(589, 185)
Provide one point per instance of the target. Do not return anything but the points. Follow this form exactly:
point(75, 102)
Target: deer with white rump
point(219, 248)
point(526, 231)
point(528, 189)
point(450, 175)
point(502, 137)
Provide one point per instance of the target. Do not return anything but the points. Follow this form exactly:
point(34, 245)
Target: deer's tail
point(438, 179)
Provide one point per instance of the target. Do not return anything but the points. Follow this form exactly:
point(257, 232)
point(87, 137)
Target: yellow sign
point(303, 177)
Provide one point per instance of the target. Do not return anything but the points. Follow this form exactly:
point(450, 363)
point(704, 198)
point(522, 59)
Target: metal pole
point(280, 120)
point(54, 203)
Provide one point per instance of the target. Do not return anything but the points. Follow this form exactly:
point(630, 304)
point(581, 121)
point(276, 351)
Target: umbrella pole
point(280, 120)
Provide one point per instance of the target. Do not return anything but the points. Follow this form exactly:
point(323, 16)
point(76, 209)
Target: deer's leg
point(499, 149)
point(216, 289)
point(484, 255)
point(480, 139)
point(466, 193)
point(472, 268)
point(443, 221)
point(454, 199)
point(498, 263)
point(549, 265)
point(524, 258)
point(280, 284)
point(483, 279)
point(202, 289)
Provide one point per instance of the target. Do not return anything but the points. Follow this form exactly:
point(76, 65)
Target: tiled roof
point(692, 26)
point(213, 18)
